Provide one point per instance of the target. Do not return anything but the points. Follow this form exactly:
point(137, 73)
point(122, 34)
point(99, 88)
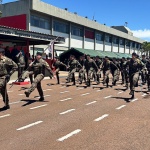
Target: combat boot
point(132, 94)
point(41, 98)
point(27, 93)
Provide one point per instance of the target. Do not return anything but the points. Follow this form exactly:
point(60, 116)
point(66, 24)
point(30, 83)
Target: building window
point(61, 27)
point(127, 43)
point(89, 34)
point(40, 22)
point(108, 38)
point(99, 37)
point(76, 31)
point(121, 41)
point(115, 40)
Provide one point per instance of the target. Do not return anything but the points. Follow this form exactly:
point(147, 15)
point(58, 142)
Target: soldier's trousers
point(37, 84)
point(106, 76)
point(123, 76)
point(3, 90)
point(81, 74)
point(20, 71)
point(57, 75)
point(148, 80)
point(143, 75)
point(28, 74)
point(71, 75)
point(115, 75)
point(133, 79)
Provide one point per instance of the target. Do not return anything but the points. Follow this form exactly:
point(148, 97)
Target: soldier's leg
point(31, 78)
point(89, 77)
point(81, 76)
point(37, 79)
point(116, 77)
point(39, 88)
point(3, 91)
point(57, 75)
point(123, 77)
point(73, 79)
point(148, 81)
point(69, 76)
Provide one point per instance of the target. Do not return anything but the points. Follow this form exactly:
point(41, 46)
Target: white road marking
point(102, 117)
point(121, 107)
point(91, 103)
point(44, 96)
point(144, 94)
point(80, 88)
point(85, 94)
point(65, 112)
point(120, 92)
point(15, 102)
point(21, 94)
point(99, 90)
point(38, 106)
point(65, 99)
point(30, 125)
point(5, 116)
point(64, 92)
point(134, 100)
point(47, 90)
point(69, 135)
point(108, 96)
point(9, 91)
point(62, 87)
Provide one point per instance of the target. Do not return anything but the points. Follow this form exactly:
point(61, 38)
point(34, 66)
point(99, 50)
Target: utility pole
point(1, 8)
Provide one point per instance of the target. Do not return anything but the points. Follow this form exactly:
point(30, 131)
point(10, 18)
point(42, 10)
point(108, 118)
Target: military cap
point(97, 57)
point(134, 54)
point(39, 53)
point(72, 56)
point(106, 57)
point(87, 55)
point(143, 55)
point(123, 57)
point(2, 50)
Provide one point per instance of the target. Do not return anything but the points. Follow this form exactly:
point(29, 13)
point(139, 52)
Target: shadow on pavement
point(118, 89)
point(28, 102)
point(23, 88)
point(123, 98)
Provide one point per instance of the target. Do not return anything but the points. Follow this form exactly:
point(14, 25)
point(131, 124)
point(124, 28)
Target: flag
point(50, 48)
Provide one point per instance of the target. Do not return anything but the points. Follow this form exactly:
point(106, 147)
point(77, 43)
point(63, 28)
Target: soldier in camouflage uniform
point(38, 67)
point(73, 65)
point(143, 72)
point(98, 73)
point(134, 68)
point(148, 74)
point(90, 65)
point(57, 63)
point(21, 65)
point(7, 68)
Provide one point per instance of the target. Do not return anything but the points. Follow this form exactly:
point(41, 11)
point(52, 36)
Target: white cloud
point(144, 34)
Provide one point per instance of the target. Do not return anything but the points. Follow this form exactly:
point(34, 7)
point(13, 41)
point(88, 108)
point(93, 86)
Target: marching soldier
point(148, 74)
point(98, 73)
point(90, 65)
point(7, 68)
point(38, 67)
point(57, 63)
point(143, 72)
point(134, 68)
point(21, 65)
point(73, 65)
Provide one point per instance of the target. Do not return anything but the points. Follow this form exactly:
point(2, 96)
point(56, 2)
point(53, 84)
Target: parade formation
point(89, 69)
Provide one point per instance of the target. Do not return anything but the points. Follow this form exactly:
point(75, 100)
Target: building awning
point(79, 51)
point(21, 37)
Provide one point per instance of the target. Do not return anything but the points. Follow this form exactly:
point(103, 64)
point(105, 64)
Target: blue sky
point(111, 12)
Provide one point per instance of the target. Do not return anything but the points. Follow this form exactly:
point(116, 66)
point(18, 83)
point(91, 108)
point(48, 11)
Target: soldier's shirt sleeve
point(95, 64)
point(78, 64)
point(62, 64)
point(113, 64)
point(47, 67)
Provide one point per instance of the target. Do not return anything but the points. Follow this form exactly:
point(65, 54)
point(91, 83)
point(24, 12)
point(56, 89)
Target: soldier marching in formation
point(87, 68)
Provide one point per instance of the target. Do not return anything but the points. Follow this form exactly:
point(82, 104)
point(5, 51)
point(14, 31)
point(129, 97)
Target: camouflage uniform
point(148, 74)
point(143, 71)
point(90, 65)
point(57, 65)
point(38, 67)
point(21, 65)
point(98, 73)
point(73, 64)
point(7, 68)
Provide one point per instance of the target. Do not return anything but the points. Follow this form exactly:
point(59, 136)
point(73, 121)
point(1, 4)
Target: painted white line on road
point(21, 94)
point(99, 90)
point(91, 103)
point(108, 96)
point(9, 91)
point(44, 96)
point(144, 94)
point(85, 94)
point(30, 125)
point(47, 90)
point(69, 135)
point(5, 116)
point(120, 92)
point(62, 87)
point(38, 106)
point(67, 111)
point(118, 108)
point(64, 92)
point(102, 117)
point(65, 99)
point(134, 100)
point(15, 102)
point(80, 88)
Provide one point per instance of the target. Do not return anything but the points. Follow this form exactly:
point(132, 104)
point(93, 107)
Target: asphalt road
point(76, 118)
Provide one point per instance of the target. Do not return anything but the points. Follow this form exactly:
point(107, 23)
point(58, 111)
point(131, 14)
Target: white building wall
point(108, 47)
point(127, 50)
point(88, 43)
point(121, 49)
point(131, 51)
point(115, 48)
point(66, 36)
point(76, 41)
point(99, 45)
point(36, 29)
